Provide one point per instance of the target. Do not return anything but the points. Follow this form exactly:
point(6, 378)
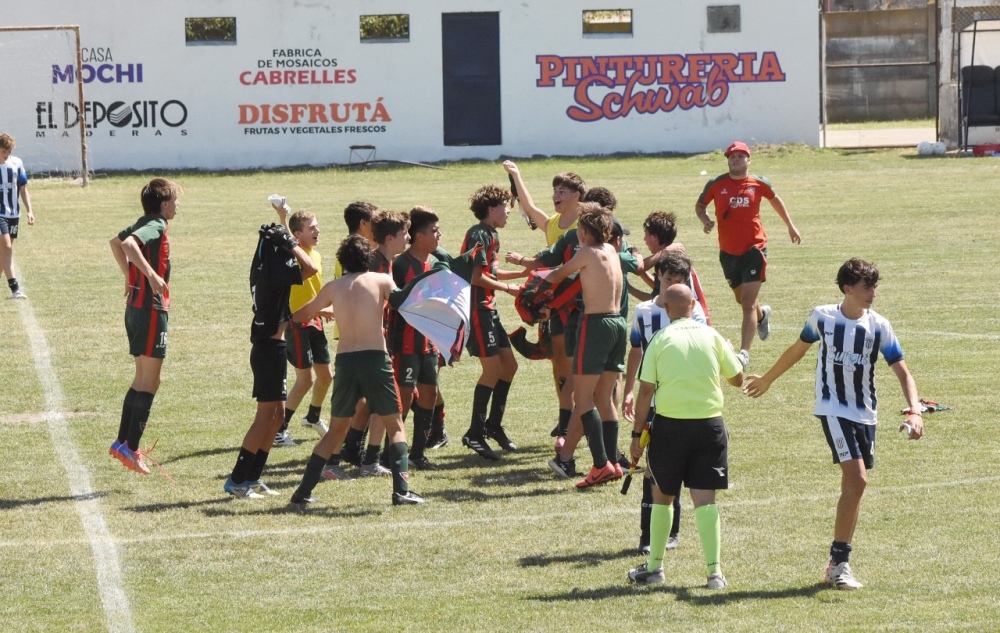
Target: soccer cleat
point(18, 294)
point(744, 357)
point(565, 469)
point(317, 426)
point(240, 491)
point(409, 498)
point(335, 473)
point(716, 581)
point(478, 444)
point(499, 436)
point(841, 577)
point(646, 577)
point(673, 542)
point(597, 476)
point(619, 471)
point(261, 488)
point(555, 431)
point(300, 504)
point(284, 438)
point(421, 463)
point(113, 451)
point(132, 459)
point(437, 440)
point(375, 470)
point(764, 324)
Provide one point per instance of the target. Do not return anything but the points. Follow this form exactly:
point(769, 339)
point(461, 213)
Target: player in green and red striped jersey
point(415, 359)
point(142, 252)
point(487, 339)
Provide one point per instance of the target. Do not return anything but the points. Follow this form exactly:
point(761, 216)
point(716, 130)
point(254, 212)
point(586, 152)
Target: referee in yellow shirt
point(683, 368)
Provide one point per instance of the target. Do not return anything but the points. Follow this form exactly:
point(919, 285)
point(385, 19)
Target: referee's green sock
point(710, 531)
point(660, 520)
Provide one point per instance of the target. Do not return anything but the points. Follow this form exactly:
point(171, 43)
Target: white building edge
point(474, 79)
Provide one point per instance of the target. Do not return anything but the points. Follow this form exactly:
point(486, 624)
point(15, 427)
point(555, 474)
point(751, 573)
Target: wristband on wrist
point(636, 435)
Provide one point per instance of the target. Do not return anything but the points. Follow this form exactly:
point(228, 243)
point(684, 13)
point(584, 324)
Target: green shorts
point(366, 374)
point(416, 369)
point(147, 332)
point(601, 344)
point(307, 346)
point(486, 334)
point(745, 268)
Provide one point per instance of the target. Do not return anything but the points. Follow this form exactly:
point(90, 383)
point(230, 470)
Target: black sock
point(647, 508)
point(141, 405)
point(498, 405)
point(610, 430)
point(353, 440)
point(564, 416)
point(421, 430)
point(126, 415)
point(314, 468)
point(257, 467)
point(243, 463)
point(594, 431)
point(334, 460)
point(399, 465)
point(480, 399)
point(675, 527)
point(840, 552)
point(372, 452)
point(288, 418)
point(12, 282)
point(313, 415)
point(437, 425)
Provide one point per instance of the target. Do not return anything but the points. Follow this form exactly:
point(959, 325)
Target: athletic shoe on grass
point(320, 427)
point(499, 436)
point(375, 470)
point(565, 469)
point(409, 498)
point(478, 444)
point(672, 542)
point(643, 576)
point(132, 459)
point(437, 440)
point(240, 491)
point(284, 438)
point(764, 324)
point(261, 488)
point(421, 463)
point(841, 577)
point(597, 476)
point(716, 581)
point(335, 473)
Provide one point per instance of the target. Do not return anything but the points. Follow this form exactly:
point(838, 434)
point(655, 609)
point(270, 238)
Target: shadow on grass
point(461, 495)
point(205, 453)
point(326, 510)
point(694, 595)
point(11, 504)
point(584, 559)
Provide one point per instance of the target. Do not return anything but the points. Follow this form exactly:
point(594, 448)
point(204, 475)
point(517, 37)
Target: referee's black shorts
point(692, 452)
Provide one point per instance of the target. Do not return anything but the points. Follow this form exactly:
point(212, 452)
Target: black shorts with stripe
point(690, 452)
point(486, 334)
point(270, 370)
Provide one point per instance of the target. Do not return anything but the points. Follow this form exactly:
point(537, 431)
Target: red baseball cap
point(738, 146)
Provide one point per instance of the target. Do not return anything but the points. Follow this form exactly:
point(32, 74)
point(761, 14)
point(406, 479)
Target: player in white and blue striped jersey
point(649, 318)
point(851, 337)
point(13, 192)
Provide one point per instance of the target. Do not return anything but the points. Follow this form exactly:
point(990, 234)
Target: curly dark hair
point(855, 270)
point(485, 197)
point(355, 254)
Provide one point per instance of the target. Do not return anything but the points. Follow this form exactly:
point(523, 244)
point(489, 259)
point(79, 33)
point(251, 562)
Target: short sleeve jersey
point(687, 362)
point(404, 339)
point(737, 211)
point(301, 295)
point(845, 367)
point(150, 231)
point(12, 177)
point(630, 264)
point(649, 318)
point(483, 298)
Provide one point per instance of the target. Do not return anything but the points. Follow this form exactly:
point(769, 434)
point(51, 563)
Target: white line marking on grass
point(102, 544)
point(518, 519)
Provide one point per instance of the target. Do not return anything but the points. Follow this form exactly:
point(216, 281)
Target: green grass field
point(86, 545)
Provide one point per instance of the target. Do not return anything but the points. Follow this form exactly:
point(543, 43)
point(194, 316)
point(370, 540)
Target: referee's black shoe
point(498, 435)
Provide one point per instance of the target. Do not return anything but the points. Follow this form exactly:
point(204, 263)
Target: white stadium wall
point(156, 102)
